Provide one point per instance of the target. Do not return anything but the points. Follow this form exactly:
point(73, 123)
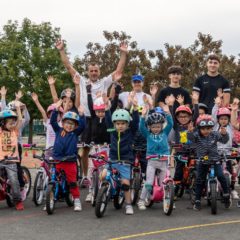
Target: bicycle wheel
point(27, 179)
point(168, 198)
point(135, 187)
point(50, 201)
point(95, 182)
point(101, 201)
point(118, 199)
point(213, 197)
point(38, 189)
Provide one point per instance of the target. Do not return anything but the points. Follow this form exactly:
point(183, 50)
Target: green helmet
point(121, 115)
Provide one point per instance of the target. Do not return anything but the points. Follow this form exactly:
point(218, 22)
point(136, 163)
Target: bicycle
point(58, 188)
point(110, 189)
point(42, 177)
point(5, 185)
point(162, 191)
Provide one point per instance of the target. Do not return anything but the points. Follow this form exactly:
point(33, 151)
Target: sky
point(150, 22)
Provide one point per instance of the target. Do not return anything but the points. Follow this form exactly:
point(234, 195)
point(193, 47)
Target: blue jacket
point(121, 143)
point(157, 144)
point(67, 145)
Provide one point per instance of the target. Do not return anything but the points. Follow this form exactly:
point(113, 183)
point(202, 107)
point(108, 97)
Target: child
point(66, 145)
point(202, 109)
point(121, 145)
point(206, 140)
point(157, 144)
point(10, 124)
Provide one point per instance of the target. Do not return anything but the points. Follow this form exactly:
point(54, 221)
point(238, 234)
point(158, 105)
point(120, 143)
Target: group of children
point(65, 121)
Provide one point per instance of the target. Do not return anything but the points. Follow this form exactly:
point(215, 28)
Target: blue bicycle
point(58, 188)
point(111, 189)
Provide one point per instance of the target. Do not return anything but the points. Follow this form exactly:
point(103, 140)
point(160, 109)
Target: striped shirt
point(207, 146)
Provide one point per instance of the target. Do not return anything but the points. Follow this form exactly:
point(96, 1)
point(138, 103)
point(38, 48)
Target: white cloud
point(150, 22)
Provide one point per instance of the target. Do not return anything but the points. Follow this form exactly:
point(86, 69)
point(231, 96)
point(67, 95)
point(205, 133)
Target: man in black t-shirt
point(181, 95)
point(208, 85)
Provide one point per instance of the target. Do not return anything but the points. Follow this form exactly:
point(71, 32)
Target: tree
point(27, 57)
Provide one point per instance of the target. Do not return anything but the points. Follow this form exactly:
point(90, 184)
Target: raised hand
point(19, 95)
point(124, 47)
point(34, 96)
point(76, 79)
point(180, 99)
point(81, 110)
point(131, 95)
point(190, 127)
point(153, 89)
point(166, 108)
point(145, 110)
point(218, 101)
point(58, 104)
point(220, 92)
point(170, 100)
point(195, 97)
point(223, 130)
point(235, 104)
point(59, 44)
point(51, 80)
point(3, 91)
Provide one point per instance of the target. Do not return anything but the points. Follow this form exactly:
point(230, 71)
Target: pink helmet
point(52, 107)
point(183, 108)
point(205, 121)
point(99, 104)
point(223, 111)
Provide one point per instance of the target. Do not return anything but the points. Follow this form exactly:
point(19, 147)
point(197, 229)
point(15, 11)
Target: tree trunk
point(30, 135)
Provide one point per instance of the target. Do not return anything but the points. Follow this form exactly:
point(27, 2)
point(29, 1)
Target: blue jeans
point(202, 171)
point(12, 175)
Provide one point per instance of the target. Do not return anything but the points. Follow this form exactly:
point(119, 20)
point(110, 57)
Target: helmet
point(154, 118)
point(71, 115)
point(183, 108)
point(204, 106)
point(223, 111)
point(205, 121)
point(64, 92)
point(7, 114)
point(121, 115)
point(99, 104)
point(159, 110)
point(52, 107)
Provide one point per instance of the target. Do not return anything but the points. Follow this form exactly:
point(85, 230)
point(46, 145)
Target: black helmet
point(64, 94)
point(154, 118)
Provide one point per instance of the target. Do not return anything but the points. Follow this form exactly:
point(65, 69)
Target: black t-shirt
point(167, 91)
point(208, 86)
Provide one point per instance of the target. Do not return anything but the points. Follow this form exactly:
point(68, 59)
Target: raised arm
point(116, 75)
point(234, 114)
point(82, 121)
point(51, 82)
point(53, 119)
point(76, 81)
point(3, 92)
point(65, 59)
point(39, 106)
point(169, 119)
point(19, 115)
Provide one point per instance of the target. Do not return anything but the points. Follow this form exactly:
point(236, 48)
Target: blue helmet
point(159, 110)
point(7, 114)
point(137, 77)
point(72, 116)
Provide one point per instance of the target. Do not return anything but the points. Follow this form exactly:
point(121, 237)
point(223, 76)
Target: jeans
point(202, 171)
point(13, 179)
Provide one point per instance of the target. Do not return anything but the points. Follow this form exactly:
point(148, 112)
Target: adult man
point(180, 94)
point(210, 83)
point(97, 85)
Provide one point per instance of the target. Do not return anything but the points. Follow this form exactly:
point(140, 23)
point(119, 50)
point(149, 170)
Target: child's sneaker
point(19, 206)
point(89, 197)
point(129, 209)
point(44, 208)
point(234, 194)
point(85, 182)
point(197, 205)
point(77, 205)
point(23, 194)
point(141, 205)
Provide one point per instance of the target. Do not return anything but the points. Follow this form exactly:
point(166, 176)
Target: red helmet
point(223, 111)
point(183, 108)
point(205, 120)
point(99, 104)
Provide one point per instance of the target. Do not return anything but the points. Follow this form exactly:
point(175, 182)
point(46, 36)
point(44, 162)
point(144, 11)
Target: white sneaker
point(129, 209)
point(89, 197)
point(234, 194)
point(23, 194)
point(77, 205)
point(44, 208)
point(141, 205)
point(174, 205)
point(86, 182)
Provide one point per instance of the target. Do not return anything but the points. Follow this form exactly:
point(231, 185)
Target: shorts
point(86, 136)
point(124, 170)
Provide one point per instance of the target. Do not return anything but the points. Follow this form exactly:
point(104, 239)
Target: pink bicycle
point(162, 192)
